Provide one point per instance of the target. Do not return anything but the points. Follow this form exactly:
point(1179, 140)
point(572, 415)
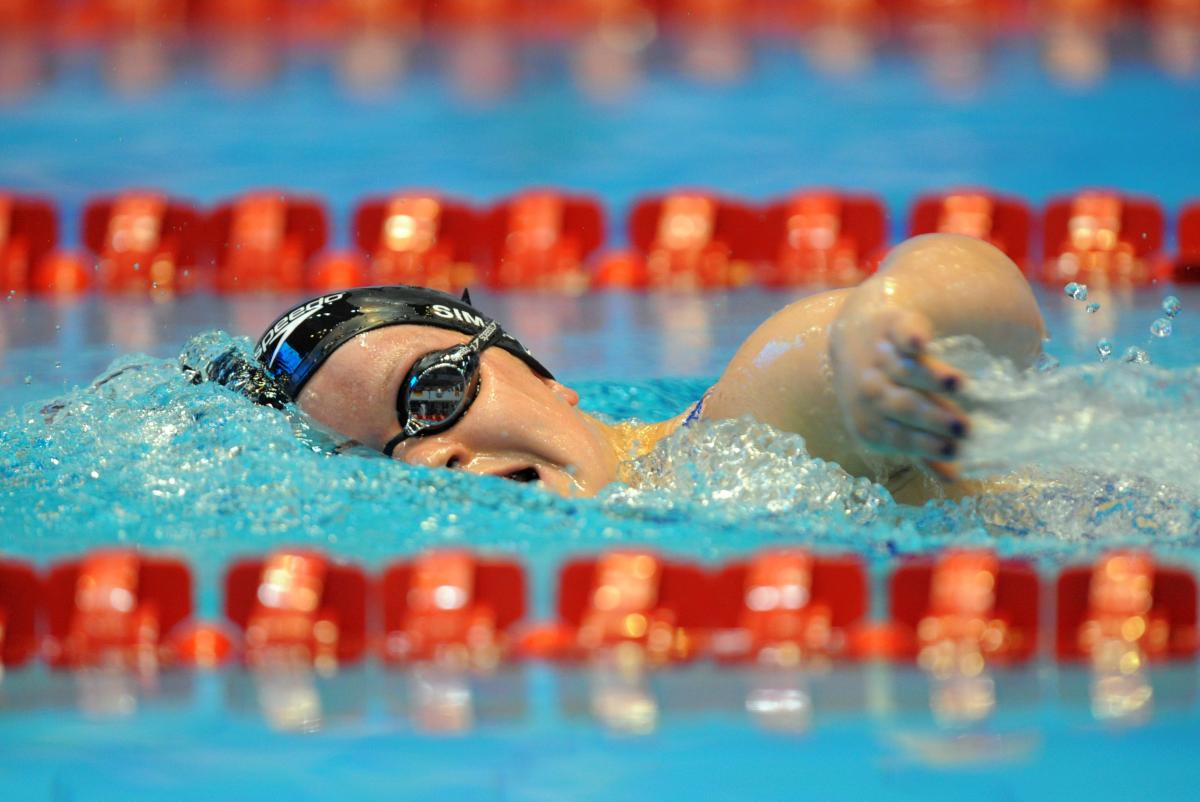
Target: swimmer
point(426, 378)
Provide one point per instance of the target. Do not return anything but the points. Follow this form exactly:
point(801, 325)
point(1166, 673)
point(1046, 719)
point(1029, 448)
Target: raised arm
point(848, 369)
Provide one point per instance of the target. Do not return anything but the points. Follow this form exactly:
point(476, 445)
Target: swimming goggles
point(440, 388)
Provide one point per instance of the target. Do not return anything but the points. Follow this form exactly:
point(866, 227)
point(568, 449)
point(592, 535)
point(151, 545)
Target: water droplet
point(1093, 308)
point(1171, 305)
point(1046, 363)
point(137, 265)
point(1136, 355)
point(1070, 289)
point(58, 327)
point(29, 380)
point(1161, 327)
point(1104, 348)
point(57, 363)
point(1076, 291)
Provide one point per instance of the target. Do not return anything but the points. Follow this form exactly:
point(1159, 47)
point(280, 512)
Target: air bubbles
point(1136, 356)
point(1093, 308)
point(29, 380)
point(1105, 348)
point(1077, 291)
point(1171, 305)
point(1161, 328)
point(1046, 363)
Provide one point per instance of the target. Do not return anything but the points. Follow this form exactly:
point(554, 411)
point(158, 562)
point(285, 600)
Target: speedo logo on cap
point(286, 325)
point(452, 313)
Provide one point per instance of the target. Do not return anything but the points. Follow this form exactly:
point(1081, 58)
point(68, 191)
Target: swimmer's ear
point(563, 391)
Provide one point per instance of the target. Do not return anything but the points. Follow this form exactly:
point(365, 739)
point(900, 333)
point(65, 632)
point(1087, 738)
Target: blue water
point(872, 734)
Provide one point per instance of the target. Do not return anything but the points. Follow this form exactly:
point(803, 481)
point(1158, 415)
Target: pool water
point(146, 460)
point(182, 470)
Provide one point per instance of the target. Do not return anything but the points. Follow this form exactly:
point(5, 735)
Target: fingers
point(888, 435)
point(946, 471)
point(910, 332)
point(903, 405)
point(920, 371)
point(923, 411)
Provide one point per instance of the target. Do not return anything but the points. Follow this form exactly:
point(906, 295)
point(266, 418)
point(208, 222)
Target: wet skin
point(847, 369)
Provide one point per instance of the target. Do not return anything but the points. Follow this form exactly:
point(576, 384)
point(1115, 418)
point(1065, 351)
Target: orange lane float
point(418, 238)
point(686, 240)
point(566, 18)
point(240, 15)
point(28, 233)
point(822, 238)
point(542, 239)
point(451, 607)
point(116, 608)
point(337, 271)
point(784, 606)
point(964, 610)
point(1003, 221)
point(298, 608)
point(264, 240)
point(1103, 237)
point(93, 19)
point(1126, 609)
point(631, 603)
point(144, 242)
point(1187, 263)
point(20, 593)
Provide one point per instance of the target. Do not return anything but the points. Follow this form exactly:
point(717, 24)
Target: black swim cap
point(301, 339)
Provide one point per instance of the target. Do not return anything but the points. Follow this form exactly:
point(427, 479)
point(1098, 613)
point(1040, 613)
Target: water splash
point(144, 456)
point(1077, 291)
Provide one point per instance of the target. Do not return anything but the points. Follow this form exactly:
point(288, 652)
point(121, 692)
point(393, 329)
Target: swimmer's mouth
point(524, 475)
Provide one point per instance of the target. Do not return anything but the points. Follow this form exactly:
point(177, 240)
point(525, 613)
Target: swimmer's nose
point(438, 453)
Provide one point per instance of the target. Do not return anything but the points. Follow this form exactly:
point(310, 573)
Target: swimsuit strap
point(696, 411)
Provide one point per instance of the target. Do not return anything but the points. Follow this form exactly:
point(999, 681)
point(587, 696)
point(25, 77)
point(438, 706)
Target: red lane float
point(337, 271)
point(542, 239)
point(144, 241)
point(786, 605)
point(20, 595)
point(1187, 263)
point(686, 240)
point(28, 233)
point(451, 607)
point(418, 238)
point(263, 241)
point(1103, 237)
point(1003, 221)
point(963, 610)
point(92, 20)
point(116, 608)
point(626, 602)
point(298, 608)
point(1125, 609)
point(822, 238)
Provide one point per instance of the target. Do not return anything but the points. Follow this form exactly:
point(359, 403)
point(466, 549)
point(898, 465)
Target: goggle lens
point(436, 395)
point(440, 387)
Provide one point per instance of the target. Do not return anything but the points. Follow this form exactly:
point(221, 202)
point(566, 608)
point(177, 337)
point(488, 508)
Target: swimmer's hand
point(896, 399)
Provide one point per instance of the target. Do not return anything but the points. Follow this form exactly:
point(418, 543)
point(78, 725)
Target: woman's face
point(520, 424)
